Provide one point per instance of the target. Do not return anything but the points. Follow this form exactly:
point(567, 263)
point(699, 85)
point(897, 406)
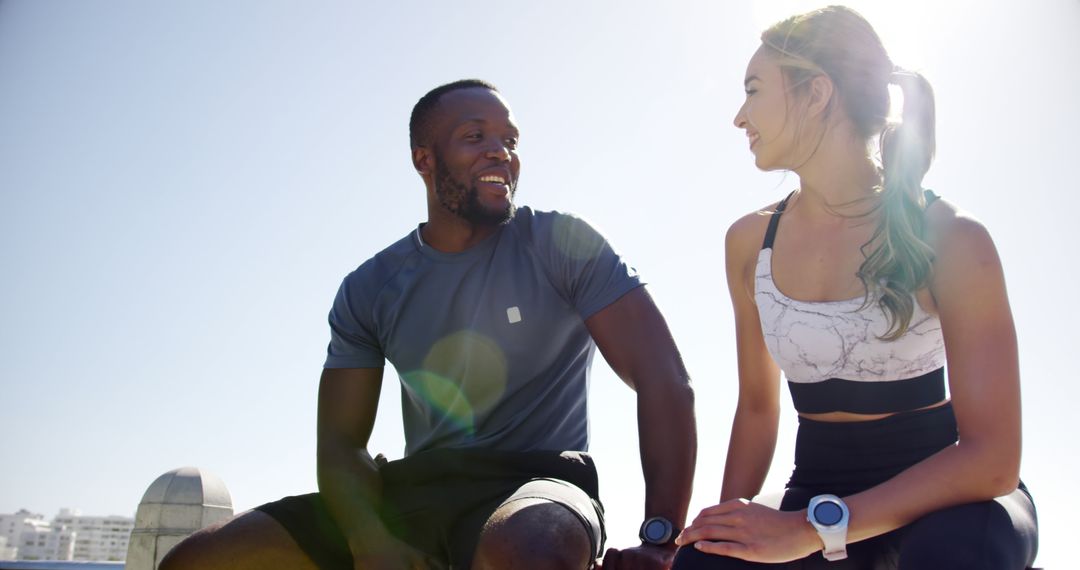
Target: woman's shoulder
point(966, 262)
point(748, 232)
point(952, 230)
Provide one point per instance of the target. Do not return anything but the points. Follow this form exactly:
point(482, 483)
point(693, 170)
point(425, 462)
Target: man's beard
point(464, 201)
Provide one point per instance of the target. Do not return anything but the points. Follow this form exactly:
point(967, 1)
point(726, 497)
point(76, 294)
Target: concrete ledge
point(58, 565)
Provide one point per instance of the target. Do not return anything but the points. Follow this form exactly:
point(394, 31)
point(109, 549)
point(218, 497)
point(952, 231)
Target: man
point(490, 314)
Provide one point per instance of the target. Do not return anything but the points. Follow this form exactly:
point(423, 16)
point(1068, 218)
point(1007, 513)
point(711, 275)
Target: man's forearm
point(351, 488)
point(668, 440)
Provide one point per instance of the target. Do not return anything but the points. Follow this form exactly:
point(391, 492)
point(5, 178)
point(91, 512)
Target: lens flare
point(463, 376)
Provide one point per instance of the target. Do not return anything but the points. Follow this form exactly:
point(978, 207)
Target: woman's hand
point(749, 531)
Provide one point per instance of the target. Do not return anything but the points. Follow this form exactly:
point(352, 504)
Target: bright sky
point(183, 185)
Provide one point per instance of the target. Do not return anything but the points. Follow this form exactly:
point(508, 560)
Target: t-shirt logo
point(513, 314)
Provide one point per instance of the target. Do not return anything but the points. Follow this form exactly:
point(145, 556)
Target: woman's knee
point(976, 536)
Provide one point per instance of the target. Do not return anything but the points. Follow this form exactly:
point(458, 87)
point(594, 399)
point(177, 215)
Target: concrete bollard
point(175, 505)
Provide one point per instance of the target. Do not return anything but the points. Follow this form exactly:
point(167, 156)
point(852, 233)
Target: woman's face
point(766, 114)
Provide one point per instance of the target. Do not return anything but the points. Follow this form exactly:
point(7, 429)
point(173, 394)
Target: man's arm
point(635, 340)
point(349, 480)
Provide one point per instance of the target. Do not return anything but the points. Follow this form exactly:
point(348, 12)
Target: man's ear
point(423, 160)
point(821, 94)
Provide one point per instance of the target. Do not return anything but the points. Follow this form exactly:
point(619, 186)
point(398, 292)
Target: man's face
point(474, 143)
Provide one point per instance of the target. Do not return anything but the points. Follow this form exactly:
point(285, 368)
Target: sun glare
point(896, 104)
point(902, 26)
point(905, 28)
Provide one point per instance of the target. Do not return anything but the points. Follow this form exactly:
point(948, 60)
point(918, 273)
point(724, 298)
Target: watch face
point(828, 513)
point(655, 530)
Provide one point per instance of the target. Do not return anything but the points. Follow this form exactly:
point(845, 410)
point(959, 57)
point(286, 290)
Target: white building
point(97, 538)
point(46, 543)
point(69, 536)
point(13, 526)
point(6, 552)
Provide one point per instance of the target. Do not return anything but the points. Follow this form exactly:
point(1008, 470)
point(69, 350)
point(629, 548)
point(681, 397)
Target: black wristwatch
point(657, 531)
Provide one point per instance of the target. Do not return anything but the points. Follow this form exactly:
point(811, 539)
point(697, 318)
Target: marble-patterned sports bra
point(831, 353)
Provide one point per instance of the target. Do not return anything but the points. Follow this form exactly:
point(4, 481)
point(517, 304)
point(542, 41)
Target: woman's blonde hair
point(840, 43)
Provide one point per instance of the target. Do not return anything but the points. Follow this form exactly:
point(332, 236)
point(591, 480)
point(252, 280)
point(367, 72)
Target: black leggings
point(846, 458)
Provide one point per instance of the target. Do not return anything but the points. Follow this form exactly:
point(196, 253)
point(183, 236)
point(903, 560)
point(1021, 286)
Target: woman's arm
point(753, 431)
point(984, 381)
point(980, 343)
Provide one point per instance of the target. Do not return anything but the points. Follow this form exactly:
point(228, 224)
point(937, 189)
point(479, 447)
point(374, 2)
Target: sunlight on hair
point(901, 25)
point(769, 12)
point(896, 104)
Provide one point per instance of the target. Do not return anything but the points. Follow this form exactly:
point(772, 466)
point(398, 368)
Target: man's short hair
point(420, 121)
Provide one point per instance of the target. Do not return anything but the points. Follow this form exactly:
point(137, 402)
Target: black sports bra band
point(774, 221)
point(774, 218)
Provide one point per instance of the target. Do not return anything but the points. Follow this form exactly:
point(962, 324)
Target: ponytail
point(900, 261)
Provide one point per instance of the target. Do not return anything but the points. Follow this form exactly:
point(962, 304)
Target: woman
point(856, 285)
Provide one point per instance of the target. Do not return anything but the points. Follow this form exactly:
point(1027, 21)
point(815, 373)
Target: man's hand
point(644, 557)
point(393, 553)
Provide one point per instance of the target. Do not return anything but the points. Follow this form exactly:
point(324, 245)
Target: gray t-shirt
point(490, 343)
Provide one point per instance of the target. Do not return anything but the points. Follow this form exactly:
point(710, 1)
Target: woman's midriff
point(850, 417)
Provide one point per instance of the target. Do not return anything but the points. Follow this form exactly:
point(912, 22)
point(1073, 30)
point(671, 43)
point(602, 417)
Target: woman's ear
point(820, 95)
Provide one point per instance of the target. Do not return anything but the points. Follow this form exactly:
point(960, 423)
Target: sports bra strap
point(931, 197)
point(774, 220)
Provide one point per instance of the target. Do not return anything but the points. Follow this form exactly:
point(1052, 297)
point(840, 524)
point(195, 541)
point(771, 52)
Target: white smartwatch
point(829, 515)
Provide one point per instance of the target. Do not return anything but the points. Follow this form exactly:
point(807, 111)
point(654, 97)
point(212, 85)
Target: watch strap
point(835, 544)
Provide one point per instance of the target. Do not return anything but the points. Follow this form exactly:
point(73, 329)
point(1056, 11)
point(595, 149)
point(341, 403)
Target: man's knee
point(195, 551)
point(533, 533)
point(249, 540)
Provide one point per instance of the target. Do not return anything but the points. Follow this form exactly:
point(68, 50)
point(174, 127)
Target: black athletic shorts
point(438, 501)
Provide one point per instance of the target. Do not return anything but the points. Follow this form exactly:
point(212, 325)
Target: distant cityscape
point(70, 535)
point(176, 504)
